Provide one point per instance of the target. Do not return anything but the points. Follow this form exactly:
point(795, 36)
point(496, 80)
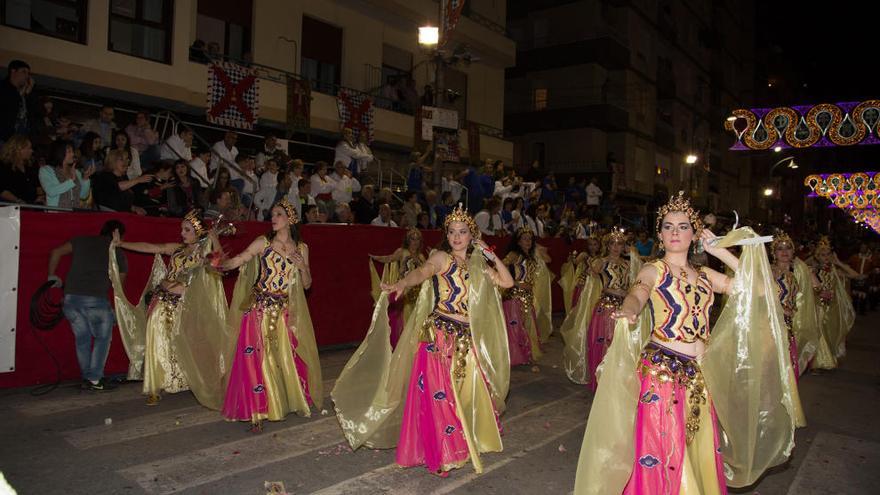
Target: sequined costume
point(275, 368)
point(653, 427)
point(788, 290)
point(176, 342)
point(437, 397)
point(519, 310)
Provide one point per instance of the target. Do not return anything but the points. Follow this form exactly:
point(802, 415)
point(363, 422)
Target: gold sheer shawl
point(390, 275)
point(805, 324)
point(748, 370)
point(543, 302)
point(370, 392)
point(748, 375)
point(574, 332)
point(840, 316)
point(567, 281)
point(132, 318)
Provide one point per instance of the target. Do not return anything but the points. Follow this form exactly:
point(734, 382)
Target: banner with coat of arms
point(355, 112)
point(299, 104)
point(233, 95)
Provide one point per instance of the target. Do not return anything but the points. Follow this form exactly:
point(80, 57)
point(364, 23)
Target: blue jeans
point(90, 317)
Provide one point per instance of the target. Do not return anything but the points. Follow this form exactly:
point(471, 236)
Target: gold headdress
point(194, 219)
point(681, 204)
point(459, 214)
point(824, 244)
point(781, 241)
point(413, 231)
point(289, 209)
point(523, 231)
point(616, 235)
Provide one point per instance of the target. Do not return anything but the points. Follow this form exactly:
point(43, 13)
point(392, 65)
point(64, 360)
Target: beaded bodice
point(451, 288)
point(680, 309)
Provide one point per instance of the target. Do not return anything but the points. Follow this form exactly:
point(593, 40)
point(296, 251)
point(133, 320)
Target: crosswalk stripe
point(568, 412)
point(69, 399)
point(192, 469)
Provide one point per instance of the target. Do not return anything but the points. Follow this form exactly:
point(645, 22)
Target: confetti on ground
point(535, 369)
point(562, 448)
point(339, 449)
point(274, 488)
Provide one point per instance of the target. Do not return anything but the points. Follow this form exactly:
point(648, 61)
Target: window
point(223, 29)
point(65, 19)
point(141, 28)
point(321, 54)
point(540, 99)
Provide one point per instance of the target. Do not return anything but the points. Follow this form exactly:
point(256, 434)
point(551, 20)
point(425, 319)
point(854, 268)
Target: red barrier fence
point(339, 300)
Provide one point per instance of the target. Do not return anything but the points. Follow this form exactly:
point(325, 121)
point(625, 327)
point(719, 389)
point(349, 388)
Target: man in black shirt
point(16, 100)
point(86, 305)
point(365, 208)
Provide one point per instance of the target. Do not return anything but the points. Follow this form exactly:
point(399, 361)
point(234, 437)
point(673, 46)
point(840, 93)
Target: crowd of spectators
point(48, 158)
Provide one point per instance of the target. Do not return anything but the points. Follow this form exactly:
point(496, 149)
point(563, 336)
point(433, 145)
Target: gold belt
point(669, 366)
point(609, 302)
point(524, 296)
point(271, 304)
point(458, 330)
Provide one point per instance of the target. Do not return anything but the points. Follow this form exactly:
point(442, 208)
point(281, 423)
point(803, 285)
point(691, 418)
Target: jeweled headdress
point(824, 244)
point(616, 235)
point(781, 241)
point(289, 209)
point(194, 219)
point(523, 231)
point(681, 204)
point(459, 214)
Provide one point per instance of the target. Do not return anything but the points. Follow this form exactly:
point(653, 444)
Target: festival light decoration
point(804, 126)
point(857, 193)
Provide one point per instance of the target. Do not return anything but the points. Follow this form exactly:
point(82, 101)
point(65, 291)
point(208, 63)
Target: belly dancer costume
point(437, 397)
point(275, 368)
point(653, 427)
point(176, 342)
point(522, 304)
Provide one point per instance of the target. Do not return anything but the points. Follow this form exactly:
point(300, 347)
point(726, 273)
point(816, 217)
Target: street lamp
point(768, 191)
point(777, 149)
point(429, 36)
point(690, 159)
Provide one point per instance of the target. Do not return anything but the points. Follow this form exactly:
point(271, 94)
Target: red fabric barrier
point(339, 300)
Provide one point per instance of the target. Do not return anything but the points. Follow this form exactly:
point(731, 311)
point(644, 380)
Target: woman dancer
point(589, 328)
point(795, 284)
point(576, 272)
point(836, 312)
point(275, 368)
point(652, 427)
point(529, 297)
point(179, 340)
point(437, 396)
point(398, 264)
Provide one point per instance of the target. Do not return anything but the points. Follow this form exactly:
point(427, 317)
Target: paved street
point(60, 443)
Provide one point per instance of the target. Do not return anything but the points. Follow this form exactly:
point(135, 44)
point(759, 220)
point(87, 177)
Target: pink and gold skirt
point(676, 439)
point(599, 334)
point(519, 312)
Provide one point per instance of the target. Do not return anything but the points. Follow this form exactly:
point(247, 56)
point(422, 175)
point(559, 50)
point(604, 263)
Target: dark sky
point(832, 47)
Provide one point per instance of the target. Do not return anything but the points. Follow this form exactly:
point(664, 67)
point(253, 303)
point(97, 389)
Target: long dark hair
point(514, 247)
point(87, 146)
point(57, 152)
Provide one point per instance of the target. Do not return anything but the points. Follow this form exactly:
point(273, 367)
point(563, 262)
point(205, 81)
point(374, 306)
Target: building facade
point(636, 87)
point(140, 51)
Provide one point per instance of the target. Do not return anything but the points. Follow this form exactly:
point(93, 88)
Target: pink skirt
point(663, 453)
point(246, 393)
point(431, 432)
point(599, 335)
point(517, 335)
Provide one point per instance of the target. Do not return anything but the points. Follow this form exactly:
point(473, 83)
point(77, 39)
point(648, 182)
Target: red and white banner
point(233, 95)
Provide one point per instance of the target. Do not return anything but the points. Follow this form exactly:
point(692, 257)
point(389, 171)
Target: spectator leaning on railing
point(178, 146)
point(112, 189)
